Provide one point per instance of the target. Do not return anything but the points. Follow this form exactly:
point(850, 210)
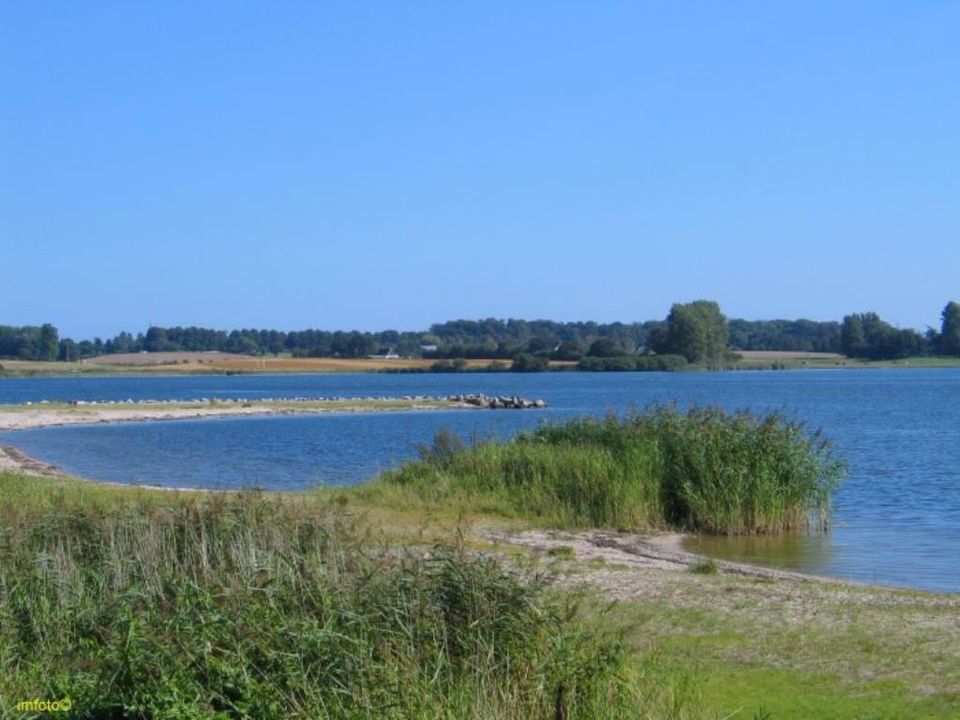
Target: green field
point(751, 360)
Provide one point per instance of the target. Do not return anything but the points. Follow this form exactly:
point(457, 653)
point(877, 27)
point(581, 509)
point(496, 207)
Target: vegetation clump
point(704, 470)
point(707, 566)
point(252, 606)
point(627, 363)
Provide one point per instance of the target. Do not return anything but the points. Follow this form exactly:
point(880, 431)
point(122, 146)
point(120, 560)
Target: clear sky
point(391, 164)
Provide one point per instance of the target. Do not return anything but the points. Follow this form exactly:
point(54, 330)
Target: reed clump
point(254, 606)
point(704, 470)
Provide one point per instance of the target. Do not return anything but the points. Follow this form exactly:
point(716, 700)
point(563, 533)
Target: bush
point(662, 363)
point(704, 470)
point(606, 348)
point(525, 362)
point(455, 365)
point(625, 363)
point(620, 363)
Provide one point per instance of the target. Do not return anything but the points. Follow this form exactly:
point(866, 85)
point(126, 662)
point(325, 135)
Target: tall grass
point(255, 606)
point(705, 470)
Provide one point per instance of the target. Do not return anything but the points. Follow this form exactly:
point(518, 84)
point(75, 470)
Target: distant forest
point(697, 331)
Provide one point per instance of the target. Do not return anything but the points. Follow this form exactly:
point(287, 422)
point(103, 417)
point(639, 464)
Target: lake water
point(896, 517)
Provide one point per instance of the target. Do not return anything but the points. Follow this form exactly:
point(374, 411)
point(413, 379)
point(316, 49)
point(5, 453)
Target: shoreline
point(636, 551)
point(23, 417)
point(13, 459)
point(49, 414)
point(659, 552)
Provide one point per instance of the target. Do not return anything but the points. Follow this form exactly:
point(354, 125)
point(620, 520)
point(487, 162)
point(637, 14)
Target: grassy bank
point(185, 605)
point(135, 604)
point(704, 470)
point(419, 595)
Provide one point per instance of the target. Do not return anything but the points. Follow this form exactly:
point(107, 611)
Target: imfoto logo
point(38, 705)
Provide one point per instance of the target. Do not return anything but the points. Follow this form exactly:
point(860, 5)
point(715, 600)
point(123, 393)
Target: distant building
point(428, 349)
point(385, 354)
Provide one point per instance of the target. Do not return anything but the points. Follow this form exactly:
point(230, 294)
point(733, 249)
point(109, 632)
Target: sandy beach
point(21, 417)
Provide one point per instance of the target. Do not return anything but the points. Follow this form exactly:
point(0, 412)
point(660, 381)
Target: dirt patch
point(628, 566)
point(632, 551)
point(752, 615)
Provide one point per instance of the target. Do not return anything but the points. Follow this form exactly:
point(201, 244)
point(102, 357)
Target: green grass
point(175, 605)
point(139, 603)
point(799, 652)
point(704, 470)
point(380, 601)
point(707, 566)
point(825, 363)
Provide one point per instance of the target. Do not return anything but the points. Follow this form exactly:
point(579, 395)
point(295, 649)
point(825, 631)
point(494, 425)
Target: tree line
point(697, 332)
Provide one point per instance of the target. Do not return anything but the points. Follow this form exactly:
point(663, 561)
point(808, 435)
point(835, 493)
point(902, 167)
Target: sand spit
point(45, 414)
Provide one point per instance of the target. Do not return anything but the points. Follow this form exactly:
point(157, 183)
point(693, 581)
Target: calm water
point(896, 518)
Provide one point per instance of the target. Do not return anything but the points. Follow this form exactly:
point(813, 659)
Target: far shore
point(153, 364)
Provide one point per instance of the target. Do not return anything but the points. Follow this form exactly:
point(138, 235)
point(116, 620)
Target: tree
point(525, 362)
point(156, 340)
point(696, 330)
point(852, 338)
point(568, 350)
point(605, 347)
point(538, 346)
point(49, 344)
point(950, 329)
point(866, 335)
point(67, 350)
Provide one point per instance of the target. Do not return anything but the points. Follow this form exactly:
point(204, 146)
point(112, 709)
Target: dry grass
point(322, 364)
point(788, 355)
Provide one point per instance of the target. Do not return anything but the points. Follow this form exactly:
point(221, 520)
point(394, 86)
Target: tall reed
point(706, 470)
point(256, 606)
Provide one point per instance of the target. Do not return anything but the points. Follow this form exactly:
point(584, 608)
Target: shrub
point(662, 363)
point(525, 362)
point(620, 363)
point(707, 566)
point(455, 365)
point(705, 470)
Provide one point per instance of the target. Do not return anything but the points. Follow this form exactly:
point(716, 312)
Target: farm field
point(215, 362)
point(200, 363)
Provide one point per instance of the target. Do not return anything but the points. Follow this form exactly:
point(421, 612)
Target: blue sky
point(388, 165)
